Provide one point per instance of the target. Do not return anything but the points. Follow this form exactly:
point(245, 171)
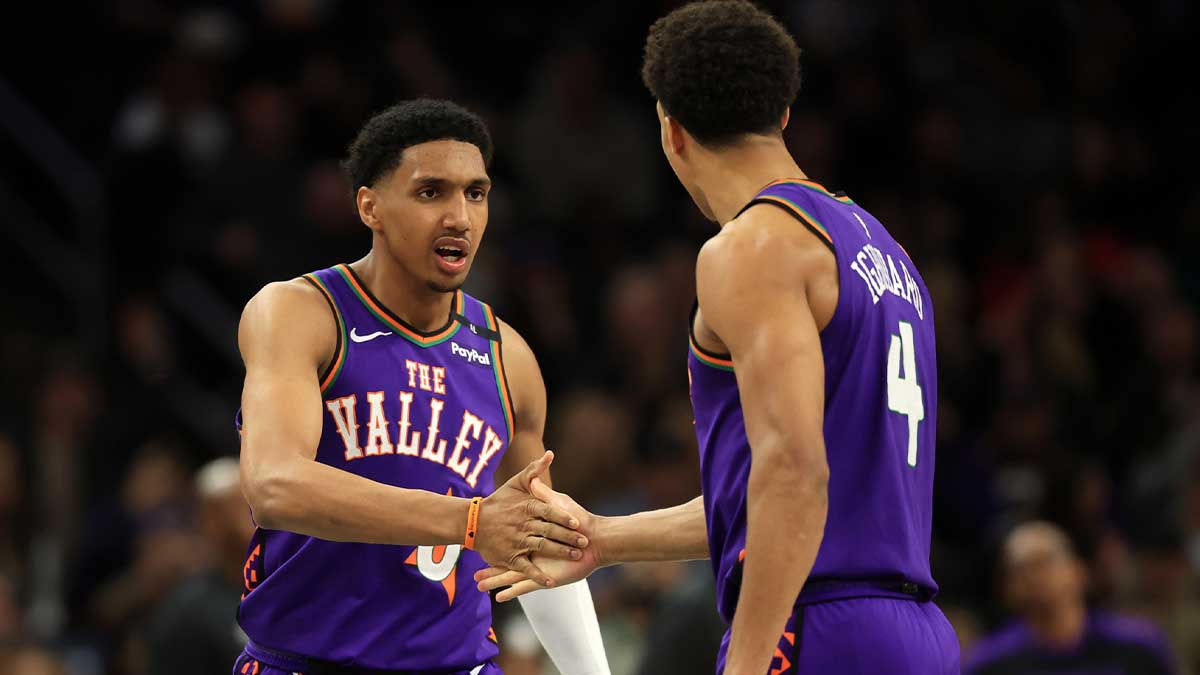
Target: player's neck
point(406, 296)
point(1061, 627)
point(737, 174)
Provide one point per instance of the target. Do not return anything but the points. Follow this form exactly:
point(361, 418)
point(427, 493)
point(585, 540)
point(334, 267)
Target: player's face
point(432, 211)
point(674, 141)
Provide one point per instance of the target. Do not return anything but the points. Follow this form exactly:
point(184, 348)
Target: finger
point(539, 489)
point(553, 549)
point(553, 514)
point(507, 578)
point(517, 590)
point(488, 572)
point(533, 543)
point(535, 468)
point(559, 533)
point(525, 566)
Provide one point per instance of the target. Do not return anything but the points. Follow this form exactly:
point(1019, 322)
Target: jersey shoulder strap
point(478, 317)
point(798, 197)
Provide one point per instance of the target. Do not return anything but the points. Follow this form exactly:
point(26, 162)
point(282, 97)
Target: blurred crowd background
point(1035, 158)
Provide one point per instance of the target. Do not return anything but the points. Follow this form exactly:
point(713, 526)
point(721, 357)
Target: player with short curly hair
point(812, 353)
point(381, 402)
point(722, 69)
point(379, 146)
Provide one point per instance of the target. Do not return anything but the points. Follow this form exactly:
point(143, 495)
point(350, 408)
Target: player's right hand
point(513, 525)
point(562, 571)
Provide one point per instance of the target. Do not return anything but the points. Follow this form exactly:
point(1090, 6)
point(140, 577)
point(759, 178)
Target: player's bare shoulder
point(524, 375)
point(289, 317)
point(769, 245)
point(766, 248)
point(516, 350)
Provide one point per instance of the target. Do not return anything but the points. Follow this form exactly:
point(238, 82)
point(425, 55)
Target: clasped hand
point(517, 527)
point(548, 566)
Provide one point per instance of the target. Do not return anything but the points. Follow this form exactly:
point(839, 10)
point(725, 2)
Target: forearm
point(786, 513)
point(675, 533)
point(564, 620)
point(311, 498)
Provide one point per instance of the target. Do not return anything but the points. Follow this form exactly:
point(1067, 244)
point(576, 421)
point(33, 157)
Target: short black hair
point(722, 69)
point(379, 146)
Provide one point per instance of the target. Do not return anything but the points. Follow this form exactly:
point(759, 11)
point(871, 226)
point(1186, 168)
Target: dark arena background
point(161, 161)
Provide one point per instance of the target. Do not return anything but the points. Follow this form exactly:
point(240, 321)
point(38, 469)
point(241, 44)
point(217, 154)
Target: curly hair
point(722, 69)
point(379, 146)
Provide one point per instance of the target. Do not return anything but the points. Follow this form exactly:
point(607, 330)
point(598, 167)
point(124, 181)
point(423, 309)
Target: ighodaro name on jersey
point(460, 460)
point(879, 272)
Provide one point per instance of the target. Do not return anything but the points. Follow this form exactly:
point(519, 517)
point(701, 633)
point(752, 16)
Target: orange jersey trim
point(710, 359)
point(339, 359)
point(811, 185)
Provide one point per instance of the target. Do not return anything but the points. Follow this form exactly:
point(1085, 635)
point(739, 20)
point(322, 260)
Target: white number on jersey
point(437, 570)
point(904, 394)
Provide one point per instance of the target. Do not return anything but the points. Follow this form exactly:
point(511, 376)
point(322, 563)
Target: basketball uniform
point(422, 410)
point(866, 605)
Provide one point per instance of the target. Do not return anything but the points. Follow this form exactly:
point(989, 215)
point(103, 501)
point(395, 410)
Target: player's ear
point(672, 132)
point(368, 200)
point(787, 115)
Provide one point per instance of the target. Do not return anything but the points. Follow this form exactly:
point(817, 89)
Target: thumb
point(542, 491)
point(536, 468)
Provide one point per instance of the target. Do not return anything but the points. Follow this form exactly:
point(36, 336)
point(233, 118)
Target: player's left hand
point(561, 571)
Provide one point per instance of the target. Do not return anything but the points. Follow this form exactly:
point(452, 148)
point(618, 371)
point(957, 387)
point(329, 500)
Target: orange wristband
point(472, 523)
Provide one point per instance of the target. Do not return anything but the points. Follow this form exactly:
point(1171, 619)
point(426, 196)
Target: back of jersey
point(880, 395)
point(880, 416)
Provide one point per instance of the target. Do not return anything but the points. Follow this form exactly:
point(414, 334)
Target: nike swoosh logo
point(365, 338)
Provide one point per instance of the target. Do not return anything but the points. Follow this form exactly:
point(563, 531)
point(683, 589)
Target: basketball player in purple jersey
point(380, 403)
point(812, 354)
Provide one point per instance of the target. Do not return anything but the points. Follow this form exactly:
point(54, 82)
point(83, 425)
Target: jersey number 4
point(903, 392)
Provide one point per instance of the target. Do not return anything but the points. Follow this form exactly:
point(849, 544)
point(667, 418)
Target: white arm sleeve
point(565, 621)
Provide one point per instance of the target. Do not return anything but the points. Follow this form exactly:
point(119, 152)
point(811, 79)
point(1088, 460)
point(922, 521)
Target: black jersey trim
point(477, 329)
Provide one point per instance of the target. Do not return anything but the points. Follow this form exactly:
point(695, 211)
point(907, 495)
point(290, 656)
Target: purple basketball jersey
point(880, 412)
point(429, 411)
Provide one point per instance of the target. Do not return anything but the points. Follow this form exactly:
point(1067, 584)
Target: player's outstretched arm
point(286, 335)
point(675, 533)
point(753, 282)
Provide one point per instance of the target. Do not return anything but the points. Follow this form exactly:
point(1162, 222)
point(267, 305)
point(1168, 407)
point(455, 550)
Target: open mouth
point(450, 253)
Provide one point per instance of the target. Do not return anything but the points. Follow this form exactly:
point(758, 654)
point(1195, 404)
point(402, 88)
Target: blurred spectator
point(1045, 585)
point(585, 158)
point(135, 551)
point(28, 659)
point(13, 518)
point(521, 653)
point(194, 629)
point(10, 611)
point(594, 429)
point(684, 632)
